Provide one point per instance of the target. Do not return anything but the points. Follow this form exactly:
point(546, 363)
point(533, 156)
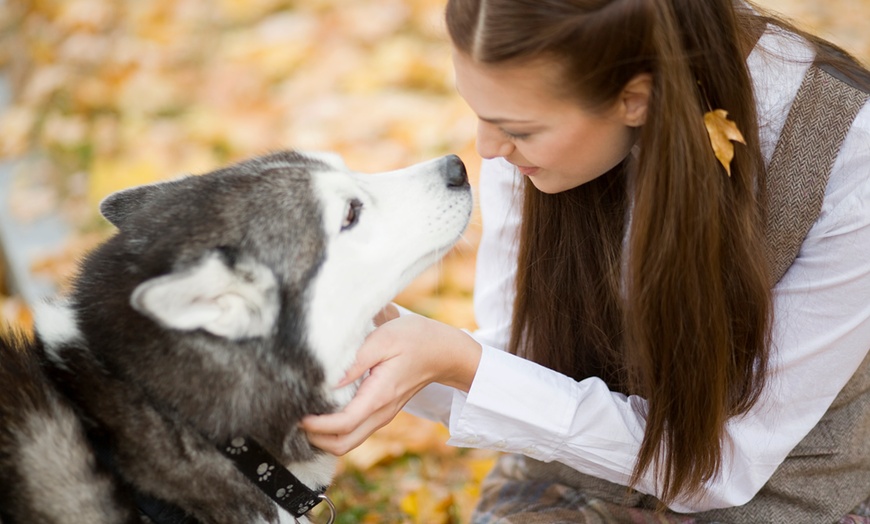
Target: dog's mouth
point(437, 253)
point(429, 258)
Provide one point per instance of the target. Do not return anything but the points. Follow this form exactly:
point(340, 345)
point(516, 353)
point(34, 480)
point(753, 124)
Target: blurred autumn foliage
point(108, 94)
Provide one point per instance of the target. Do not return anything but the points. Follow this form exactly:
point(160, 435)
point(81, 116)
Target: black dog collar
point(261, 468)
point(272, 478)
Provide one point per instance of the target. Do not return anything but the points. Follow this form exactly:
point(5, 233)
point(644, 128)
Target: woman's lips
point(527, 170)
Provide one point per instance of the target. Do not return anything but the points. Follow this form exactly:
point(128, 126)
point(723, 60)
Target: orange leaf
point(722, 131)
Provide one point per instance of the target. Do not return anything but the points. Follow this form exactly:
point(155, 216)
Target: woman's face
point(551, 139)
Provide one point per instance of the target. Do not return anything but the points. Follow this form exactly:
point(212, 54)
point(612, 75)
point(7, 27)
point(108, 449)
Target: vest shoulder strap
point(817, 123)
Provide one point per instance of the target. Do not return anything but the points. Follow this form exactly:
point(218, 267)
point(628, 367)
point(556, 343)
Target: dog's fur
point(226, 304)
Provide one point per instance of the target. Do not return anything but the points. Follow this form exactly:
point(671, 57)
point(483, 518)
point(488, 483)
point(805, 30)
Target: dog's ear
point(232, 300)
point(121, 204)
point(333, 160)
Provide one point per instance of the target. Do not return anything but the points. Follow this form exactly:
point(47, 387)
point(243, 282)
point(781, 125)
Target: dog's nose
point(454, 173)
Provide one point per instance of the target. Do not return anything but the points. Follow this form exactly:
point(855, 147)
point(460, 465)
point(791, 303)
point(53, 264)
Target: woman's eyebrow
point(500, 121)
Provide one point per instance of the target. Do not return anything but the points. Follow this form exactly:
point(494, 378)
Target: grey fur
point(166, 395)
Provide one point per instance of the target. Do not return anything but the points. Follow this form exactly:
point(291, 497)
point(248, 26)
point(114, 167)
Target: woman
point(679, 322)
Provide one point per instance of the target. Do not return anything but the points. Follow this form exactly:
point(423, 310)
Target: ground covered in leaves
point(110, 94)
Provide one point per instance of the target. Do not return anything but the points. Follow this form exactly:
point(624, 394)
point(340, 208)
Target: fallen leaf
point(427, 505)
point(722, 131)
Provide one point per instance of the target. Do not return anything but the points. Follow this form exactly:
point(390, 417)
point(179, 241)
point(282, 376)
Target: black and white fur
point(227, 304)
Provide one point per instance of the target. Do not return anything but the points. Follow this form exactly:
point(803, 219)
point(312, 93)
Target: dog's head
point(267, 271)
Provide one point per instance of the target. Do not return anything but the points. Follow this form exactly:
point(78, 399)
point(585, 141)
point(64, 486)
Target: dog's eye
point(354, 207)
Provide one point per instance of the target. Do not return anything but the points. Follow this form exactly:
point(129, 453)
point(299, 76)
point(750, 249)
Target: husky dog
point(225, 308)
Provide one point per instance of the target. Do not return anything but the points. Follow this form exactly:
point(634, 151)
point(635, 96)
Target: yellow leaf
point(722, 131)
point(427, 505)
point(481, 467)
point(409, 504)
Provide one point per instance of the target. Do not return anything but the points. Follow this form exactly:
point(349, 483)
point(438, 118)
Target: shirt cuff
point(504, 410)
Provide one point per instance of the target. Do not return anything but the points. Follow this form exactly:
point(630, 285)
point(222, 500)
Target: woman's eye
point(516, 136)
point(351, 217)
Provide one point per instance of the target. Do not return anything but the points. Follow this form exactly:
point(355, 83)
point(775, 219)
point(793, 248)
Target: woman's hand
point(403, 355)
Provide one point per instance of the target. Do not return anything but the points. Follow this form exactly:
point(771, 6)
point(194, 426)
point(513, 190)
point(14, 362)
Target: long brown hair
point(651, 277)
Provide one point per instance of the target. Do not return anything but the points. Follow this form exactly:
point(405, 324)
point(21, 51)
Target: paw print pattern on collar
point(271, 477)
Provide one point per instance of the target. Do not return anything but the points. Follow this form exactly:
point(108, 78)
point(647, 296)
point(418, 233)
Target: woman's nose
point(491, 142)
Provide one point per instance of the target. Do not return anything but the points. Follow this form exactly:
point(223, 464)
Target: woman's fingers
point(373, 351)
point(379, 399)
point(341, 443)
point(340, 432)
point(402, 356)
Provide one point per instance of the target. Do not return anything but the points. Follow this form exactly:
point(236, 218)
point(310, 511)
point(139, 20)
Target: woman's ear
point(634, 99)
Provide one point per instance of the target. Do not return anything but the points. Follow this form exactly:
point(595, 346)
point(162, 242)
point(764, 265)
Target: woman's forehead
point(508, 92)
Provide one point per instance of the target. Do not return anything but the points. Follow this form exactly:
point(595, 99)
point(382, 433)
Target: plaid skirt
point(511, 494)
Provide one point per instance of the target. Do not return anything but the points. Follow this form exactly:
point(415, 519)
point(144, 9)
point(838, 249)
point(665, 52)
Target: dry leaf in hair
point(722, 131)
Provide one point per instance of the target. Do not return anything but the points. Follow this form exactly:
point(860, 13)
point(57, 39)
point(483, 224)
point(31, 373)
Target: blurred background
point(98, 95)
